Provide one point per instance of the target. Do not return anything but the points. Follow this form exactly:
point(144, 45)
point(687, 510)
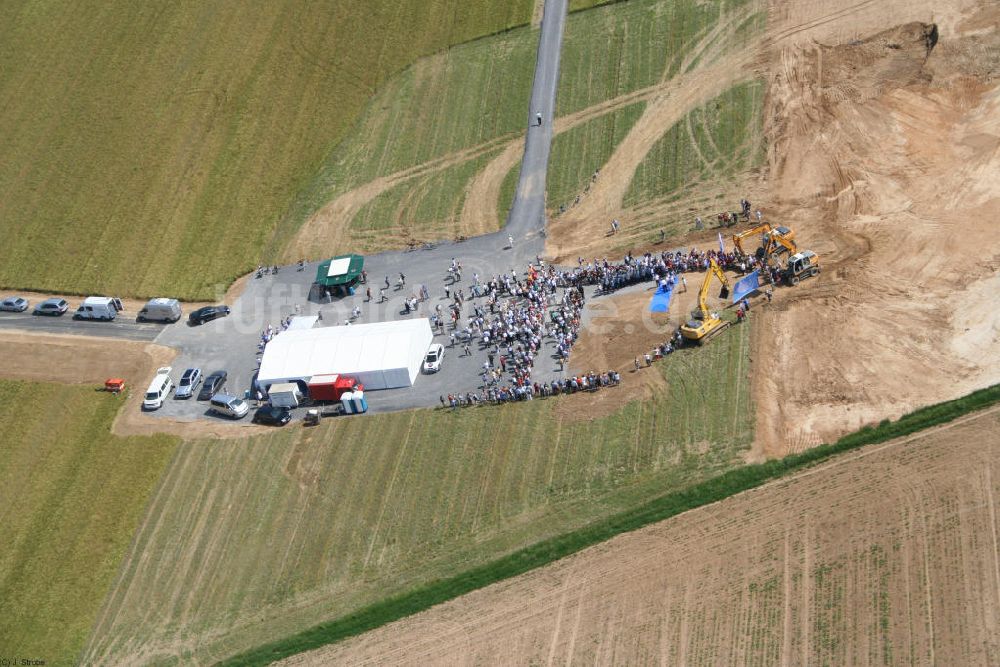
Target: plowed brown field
point(885, 556)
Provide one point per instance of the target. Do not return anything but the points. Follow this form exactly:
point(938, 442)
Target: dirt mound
point(883, 158)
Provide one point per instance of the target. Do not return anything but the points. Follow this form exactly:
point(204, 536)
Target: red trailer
point(114, 385)
point(330, 387)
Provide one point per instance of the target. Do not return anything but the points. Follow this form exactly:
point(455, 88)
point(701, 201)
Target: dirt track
point(887, 555)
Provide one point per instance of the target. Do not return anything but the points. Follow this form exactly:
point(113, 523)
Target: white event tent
point(384, 355)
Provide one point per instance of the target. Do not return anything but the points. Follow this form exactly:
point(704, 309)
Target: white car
point(159, 389)
point(432, 362)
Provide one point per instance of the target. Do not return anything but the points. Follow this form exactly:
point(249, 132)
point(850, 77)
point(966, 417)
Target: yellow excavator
point(772, 240)
point(705, 324)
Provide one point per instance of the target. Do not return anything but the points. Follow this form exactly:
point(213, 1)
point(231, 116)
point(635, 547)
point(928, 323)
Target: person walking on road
point(381, 296)
point(510, 241)
point(368, 294)
point(538, 119)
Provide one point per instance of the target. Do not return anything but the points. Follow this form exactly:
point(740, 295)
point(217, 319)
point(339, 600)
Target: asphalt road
point(527, 215)
point(231, 343)
point(122, 327)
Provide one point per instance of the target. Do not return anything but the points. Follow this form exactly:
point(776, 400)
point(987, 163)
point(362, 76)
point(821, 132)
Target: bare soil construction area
point(882, 123)
point(883, 156)
point(888, 555)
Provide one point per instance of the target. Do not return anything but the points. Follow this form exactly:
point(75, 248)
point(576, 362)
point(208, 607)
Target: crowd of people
point(586, 382)
point(518, 318)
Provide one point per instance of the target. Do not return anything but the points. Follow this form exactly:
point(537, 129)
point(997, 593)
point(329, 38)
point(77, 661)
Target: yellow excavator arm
point(776, 240)
point(705, 324)
point(764, 229)
point(713, 272)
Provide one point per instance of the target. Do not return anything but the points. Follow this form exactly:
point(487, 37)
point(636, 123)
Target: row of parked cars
point(106, 308)
point(211, 389)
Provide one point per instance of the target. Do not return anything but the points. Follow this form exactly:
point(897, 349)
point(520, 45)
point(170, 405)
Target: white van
point(230, 406)
point(160, 310)
point(98, 308)
point(158, 390)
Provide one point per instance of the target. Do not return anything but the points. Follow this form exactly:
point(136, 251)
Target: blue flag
point(746, 286)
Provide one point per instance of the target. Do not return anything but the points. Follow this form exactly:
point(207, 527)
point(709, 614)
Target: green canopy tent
point(340, 273)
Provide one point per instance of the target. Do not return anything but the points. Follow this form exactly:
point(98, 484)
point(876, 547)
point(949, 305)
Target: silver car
point(51, 307)
point(14, 304)
point(189, 382)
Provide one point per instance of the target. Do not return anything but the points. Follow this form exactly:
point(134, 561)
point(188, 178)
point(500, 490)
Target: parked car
point(159, 389)
point(189, 382)
point(51, 307)
point(272, 415)
point(432, 362)
point(14, 304)
point(229, 406)
point(207, 314)
point(213, 385)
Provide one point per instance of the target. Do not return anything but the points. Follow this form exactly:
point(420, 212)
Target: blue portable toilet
point(345, 400)
point(360, 404)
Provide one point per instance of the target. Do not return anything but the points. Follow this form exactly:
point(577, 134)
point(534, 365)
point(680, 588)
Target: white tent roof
point(338, 267)
point(381, 355)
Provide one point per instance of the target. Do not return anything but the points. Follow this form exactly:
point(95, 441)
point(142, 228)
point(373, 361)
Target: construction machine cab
point(801, 265)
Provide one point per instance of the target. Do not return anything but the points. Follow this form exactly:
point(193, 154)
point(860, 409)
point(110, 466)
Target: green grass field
point(252, 540)
point(583, 149)
point(698, 163)
point(476, 95)
point(152, 148)
point(72, 495)
point(642, 43)
point(426, 208)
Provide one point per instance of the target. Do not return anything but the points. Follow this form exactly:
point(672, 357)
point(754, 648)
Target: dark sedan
point(207, 314)
point(272, 416)
point(213, 384)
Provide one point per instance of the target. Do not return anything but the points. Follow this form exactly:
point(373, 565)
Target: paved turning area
point(231, 344)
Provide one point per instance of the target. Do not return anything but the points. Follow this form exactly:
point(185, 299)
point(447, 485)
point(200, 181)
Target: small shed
point(342, 270)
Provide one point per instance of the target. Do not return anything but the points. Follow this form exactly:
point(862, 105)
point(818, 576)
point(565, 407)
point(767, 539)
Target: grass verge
point(666, 506)
point(72, 495)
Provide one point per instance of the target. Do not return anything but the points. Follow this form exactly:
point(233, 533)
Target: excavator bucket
point(724, 292)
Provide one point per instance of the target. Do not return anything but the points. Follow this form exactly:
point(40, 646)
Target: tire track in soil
point(578, 231)
point(328, 226)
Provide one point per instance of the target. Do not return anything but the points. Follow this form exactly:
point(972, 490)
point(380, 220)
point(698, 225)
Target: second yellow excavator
point(705, 324)
point(772, 240)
